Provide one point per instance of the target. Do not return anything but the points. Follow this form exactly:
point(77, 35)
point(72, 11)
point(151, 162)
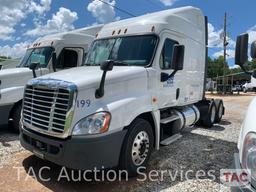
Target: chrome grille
point(46, 108)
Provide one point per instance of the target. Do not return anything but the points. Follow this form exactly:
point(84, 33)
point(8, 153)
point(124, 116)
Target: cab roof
point(186, 20)
point(78, 36)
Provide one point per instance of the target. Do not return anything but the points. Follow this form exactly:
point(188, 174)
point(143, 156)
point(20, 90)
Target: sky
point(23, 21)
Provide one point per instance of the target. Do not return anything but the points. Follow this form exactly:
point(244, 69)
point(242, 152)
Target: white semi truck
point(50, 53)
point(246, 157)
point(250, 86)
point(141, 84)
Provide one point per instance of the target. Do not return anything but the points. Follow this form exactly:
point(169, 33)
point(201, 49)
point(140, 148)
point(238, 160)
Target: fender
point(134, 107)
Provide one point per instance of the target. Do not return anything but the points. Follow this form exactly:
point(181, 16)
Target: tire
point(220, 110)
point(244, 90)
point(137, 147)
point(16, 115)
point(209, 118)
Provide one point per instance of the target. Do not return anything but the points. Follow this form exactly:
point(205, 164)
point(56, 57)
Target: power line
point(154, 3)
point(117, 8)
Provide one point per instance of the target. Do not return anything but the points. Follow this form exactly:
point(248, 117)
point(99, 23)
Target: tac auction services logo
point(235, 177)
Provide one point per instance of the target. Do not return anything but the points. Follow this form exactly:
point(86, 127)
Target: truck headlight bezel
point(96, 123)
point(249, 154)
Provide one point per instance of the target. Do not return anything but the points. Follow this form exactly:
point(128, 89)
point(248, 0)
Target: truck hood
point(89, 77)
point(15, 77)
point(16, 71)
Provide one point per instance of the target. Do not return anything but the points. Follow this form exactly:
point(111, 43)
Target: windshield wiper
point(116, 63)
point(121, 63)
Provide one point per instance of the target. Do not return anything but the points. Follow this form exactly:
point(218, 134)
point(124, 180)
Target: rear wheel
point(220, 110)
point(16, 115)
point(209, 117)
point(137, 147)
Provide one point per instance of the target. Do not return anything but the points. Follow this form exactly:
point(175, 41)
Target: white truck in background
point(142, 83)
point(246, 157)
point(47, 54)
point(250, 86)
point(9, 63)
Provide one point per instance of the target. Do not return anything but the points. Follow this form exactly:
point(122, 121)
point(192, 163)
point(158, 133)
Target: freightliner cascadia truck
point(142, 82)
point(50, 53)
point(246, 157)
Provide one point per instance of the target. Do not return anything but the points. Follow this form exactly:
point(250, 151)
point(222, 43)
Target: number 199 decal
point(83, 103)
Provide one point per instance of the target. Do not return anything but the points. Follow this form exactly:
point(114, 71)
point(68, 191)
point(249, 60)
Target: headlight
point(249, 154)
point(93, 124)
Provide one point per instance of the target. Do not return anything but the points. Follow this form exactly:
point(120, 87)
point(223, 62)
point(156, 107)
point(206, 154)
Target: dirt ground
point(198, 149)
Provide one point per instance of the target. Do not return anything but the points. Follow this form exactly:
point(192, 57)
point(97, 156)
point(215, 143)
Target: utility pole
point(225, 44)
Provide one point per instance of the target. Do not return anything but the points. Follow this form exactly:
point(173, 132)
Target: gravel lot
point(198, 149)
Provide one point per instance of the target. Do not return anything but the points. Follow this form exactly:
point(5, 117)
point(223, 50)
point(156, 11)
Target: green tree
point(216, 67)
point(3, 58)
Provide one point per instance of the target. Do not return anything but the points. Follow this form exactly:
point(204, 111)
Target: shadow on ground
point(192, 152)
point(7, 134)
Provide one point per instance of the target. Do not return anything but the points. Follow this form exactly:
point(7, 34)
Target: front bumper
point(237, 165)
point(76, 152)
point(5, 113)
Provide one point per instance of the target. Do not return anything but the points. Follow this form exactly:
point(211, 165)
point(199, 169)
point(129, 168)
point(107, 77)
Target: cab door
point(168, 90)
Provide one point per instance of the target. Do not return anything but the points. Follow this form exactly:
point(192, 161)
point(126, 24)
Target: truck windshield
point(40, 55)
point(131, 50)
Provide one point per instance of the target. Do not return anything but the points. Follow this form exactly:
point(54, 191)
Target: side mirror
point(54, 61)
point(241, 56)
point(107, 65)
point(178, 57)
point(33, 67)
point(253, 50)
point(177, 62)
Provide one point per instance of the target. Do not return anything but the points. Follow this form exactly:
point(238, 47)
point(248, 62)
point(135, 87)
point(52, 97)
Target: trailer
point(47, 55)
point(142, 82)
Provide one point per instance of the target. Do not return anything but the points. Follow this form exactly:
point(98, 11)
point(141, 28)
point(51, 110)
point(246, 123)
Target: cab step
point(169, 119)
point(171, 139)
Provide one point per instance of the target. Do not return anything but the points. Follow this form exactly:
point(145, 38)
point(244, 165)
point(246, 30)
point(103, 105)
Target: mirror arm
point(172, 74)
point(54, 61)
point(34, 73)
point(100, 91)
point(164, 76)
point(54, 68)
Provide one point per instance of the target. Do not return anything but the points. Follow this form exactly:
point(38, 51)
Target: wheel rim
point(140, 148)
point(213, 114)
point(220, 111)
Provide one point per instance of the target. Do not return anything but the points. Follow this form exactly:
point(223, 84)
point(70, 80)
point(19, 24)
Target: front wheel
point(16, 117)
point(137, 147)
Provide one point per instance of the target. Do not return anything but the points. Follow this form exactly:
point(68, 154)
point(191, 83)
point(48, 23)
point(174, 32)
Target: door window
point(67, 59)
point(167, 53)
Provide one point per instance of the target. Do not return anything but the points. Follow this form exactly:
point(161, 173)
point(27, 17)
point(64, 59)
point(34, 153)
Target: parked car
point(237, 88)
